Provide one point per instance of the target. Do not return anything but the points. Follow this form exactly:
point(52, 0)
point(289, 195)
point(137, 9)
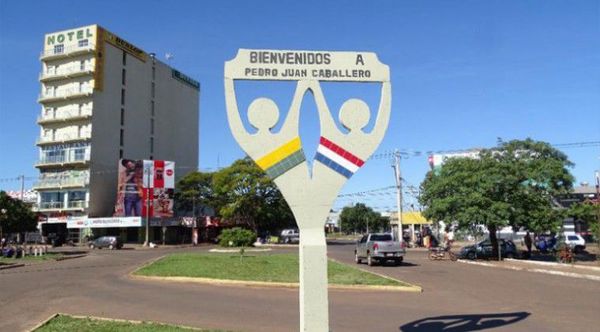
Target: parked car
point(378, 247)
point(291, 235)
point(110, 242)
point(483, 249)
point(56, 239)
point(575, 241)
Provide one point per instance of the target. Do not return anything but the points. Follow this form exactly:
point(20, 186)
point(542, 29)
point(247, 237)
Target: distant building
point(104, 99)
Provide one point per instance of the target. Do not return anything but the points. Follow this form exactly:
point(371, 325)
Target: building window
point(122, 96)
point(83, 43)
point(120, 153)
point(151, 126)
point(82, 65)
point(121, 138)
point(58, 49)
point(79, 153)
point(152, 107)
point(124, 58)
point(152, 92)
point(153, 73)
point(123, 72)
point(122, 116)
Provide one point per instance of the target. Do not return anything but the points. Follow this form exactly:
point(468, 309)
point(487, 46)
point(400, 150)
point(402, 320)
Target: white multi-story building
point(104, 99)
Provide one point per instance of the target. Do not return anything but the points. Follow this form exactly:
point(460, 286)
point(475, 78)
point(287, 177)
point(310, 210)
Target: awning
point(410, 218)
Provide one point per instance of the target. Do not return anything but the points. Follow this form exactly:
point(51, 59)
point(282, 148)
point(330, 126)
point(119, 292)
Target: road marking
point(558, 273)
point(594, 268)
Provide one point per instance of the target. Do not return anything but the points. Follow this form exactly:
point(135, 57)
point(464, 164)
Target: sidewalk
point(559, 269)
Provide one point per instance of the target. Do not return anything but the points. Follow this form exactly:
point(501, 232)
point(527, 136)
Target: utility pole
point(598, 211)
point(398, 178)
point(22, 177)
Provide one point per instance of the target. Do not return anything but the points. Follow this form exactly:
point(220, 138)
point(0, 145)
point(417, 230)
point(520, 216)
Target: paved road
point(476, 298)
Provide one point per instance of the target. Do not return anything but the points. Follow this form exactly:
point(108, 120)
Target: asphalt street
point(456, 297)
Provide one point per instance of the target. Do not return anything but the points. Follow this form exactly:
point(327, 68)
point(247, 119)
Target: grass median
point(31, 258)
point(282, 268)
point(62, 323)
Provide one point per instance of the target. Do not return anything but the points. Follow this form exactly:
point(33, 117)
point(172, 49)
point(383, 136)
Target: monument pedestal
point(314, 305)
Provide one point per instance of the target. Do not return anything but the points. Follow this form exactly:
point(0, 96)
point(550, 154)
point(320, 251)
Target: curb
point(593, 268)
point(229, 251)
point(265, 284)
point(66, 257)
point(109, 320)
point(11, 266)
point(44, 322)
point(414, 288)
point(557, 273)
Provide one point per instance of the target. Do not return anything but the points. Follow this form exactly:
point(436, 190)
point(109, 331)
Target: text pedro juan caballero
point(296, 60)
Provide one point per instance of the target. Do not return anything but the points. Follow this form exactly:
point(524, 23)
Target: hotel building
point(102, 99)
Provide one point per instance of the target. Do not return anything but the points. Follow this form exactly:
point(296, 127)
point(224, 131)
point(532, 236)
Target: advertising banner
point(104, 222)
point(145, 184)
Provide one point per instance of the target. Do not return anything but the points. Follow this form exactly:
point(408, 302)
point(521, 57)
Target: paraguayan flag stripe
point(337, 158)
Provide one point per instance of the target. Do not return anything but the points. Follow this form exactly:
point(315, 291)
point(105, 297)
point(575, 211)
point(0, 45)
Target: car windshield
point(381, 237)
point(573, 238)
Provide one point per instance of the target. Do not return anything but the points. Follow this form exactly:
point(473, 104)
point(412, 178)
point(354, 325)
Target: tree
point(245, 195)
point(195, 191)
point(360, 218)
point(587, 212)
point(511, 185)
point(15, 215)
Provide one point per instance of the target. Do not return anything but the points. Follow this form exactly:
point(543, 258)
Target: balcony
point(59, 161)
point(73, 115)
point(60, 139)
point(65, 94)
point(67, 72)
point(67, 52)
point(62, 183)
point(60, 206)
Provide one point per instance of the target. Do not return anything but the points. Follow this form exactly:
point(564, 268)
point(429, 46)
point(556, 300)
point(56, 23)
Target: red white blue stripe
point(337, 158)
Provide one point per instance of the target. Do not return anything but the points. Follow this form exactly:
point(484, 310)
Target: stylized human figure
point(340, 155)
point(285, 158)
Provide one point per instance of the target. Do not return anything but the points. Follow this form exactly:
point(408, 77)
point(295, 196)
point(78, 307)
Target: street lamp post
point(146, 202)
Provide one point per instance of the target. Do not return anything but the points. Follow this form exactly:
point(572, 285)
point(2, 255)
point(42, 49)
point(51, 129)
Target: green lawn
point(260, 267)
point(31, 258)
point(63, 323)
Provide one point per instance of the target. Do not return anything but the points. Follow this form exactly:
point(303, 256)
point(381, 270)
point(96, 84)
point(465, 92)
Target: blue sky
point(463, 72)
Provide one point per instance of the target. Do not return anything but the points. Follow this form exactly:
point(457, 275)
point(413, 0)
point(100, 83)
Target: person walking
point(528, 243)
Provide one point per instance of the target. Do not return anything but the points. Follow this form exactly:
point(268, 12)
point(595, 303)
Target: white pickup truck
point(378, 247)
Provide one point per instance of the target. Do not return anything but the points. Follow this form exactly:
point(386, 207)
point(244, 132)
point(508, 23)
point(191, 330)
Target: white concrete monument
point(310, 195)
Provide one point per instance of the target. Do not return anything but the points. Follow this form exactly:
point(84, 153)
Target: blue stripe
point(333, 165)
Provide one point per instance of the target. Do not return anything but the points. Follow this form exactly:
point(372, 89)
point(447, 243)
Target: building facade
point(102, 99)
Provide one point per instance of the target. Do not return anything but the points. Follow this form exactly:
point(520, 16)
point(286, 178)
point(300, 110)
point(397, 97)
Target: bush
point(237, 237)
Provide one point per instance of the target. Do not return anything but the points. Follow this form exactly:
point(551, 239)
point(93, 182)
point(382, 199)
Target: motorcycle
point(439, 253)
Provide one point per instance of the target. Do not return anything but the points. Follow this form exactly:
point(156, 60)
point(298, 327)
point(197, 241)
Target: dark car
point(56, 239)
point(483, 249)
point(110, 242)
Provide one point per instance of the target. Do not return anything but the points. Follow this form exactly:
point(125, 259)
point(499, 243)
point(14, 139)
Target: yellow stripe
point(280, 153)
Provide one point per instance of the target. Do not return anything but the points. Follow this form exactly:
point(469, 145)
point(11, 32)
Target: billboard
point(145, 188)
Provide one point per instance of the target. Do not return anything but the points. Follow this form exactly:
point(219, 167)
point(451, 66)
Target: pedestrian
point(528, 243)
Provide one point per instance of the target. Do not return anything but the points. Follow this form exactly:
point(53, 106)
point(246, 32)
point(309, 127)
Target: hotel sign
point(185, 79)
point(69, 36)
point(126, 46)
